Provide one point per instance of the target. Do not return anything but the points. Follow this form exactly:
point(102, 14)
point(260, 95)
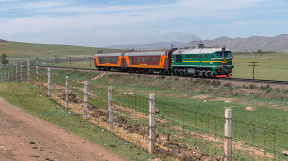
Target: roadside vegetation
point(32, 100)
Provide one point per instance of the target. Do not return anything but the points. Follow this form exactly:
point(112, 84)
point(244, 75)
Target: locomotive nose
point(224, 61)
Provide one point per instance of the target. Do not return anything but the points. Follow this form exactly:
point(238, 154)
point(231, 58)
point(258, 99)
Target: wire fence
point(179, 131)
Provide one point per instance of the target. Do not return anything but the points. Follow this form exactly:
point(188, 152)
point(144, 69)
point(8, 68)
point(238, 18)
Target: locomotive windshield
point(220, 54)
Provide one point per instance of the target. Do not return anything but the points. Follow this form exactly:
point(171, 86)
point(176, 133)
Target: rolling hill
point(253, 43)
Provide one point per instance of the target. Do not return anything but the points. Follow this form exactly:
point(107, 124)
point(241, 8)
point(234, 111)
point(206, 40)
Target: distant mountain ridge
point(253, 43)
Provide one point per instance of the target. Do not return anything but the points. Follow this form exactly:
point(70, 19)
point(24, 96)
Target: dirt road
point(26, 137)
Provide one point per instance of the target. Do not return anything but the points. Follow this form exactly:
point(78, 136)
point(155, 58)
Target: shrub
point(265, 87)
point(215, 83)
point(227, 85)
point(252, 86)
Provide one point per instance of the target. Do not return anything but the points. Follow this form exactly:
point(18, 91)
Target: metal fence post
point(37, 73)
point(85, 99)
point(67, 92)
point(228, 135)
point(28, 70)
point(110, 104)
point(21, 71)
point(152, 127)
point(49, 82)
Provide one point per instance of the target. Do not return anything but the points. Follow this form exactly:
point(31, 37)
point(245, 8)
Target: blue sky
point(100, 23)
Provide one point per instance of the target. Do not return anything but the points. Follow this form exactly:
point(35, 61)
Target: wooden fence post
point(28, 70)
point(16, 72)
point(110, 104)
point(85, 99)
point(49, 82)
point(8, 78)
point(12, 75)
point(4, 77)
point(228, 135)
point(1, 77)
point(152, 127)
point(37, 73)
point(21, 71)
point(67, 92)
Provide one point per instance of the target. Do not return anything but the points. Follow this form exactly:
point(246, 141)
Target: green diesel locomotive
point(201, 61)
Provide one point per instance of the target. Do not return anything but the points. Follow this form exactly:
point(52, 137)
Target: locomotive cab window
point(218, 54)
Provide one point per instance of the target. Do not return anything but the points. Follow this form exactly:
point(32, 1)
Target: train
point(200, 61)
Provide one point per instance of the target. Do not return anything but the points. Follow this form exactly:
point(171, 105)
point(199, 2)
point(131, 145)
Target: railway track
point(225, 79)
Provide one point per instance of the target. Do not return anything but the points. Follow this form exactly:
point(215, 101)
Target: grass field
point(18, 51)
point(272, 66)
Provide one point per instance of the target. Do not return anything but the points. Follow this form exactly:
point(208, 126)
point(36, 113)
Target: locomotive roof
point(198, 50)
point(108, 54)
point(145, 53)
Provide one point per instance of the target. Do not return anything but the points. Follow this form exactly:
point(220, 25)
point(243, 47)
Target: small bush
point(265, 87)
point(202, 81)
point(215, 83)
point(227, 85)
point(252, 86)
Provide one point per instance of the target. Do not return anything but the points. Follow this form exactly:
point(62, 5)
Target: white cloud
point(248, 23)
point(118, 23)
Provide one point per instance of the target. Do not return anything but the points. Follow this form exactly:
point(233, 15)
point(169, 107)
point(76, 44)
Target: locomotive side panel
point(203, 62)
